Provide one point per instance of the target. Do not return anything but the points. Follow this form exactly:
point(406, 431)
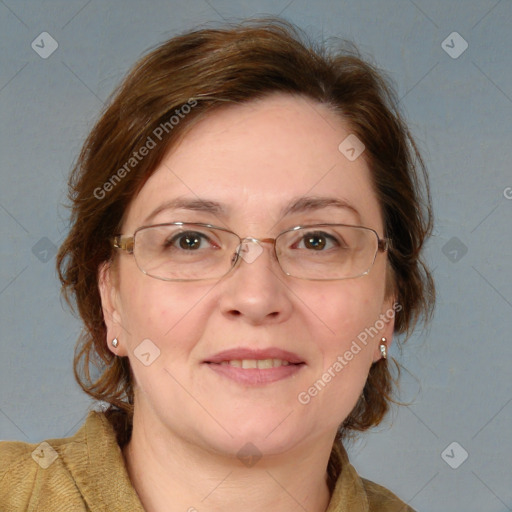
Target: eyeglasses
point(182, 251)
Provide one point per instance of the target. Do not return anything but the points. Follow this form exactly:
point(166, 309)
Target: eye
point(188, 241)
point(318, 241)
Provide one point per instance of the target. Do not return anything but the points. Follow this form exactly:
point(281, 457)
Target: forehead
point(255, 161)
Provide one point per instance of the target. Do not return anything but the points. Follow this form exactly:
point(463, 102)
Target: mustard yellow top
point(86, 472)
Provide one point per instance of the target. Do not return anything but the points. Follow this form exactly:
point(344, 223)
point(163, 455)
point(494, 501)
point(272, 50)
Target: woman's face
point(255, 160)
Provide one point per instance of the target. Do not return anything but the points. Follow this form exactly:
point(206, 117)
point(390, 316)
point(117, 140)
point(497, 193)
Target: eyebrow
point(297, 205)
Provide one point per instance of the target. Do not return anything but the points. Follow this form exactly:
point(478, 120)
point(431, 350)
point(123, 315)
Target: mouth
point(261, 364)
point(255, 367)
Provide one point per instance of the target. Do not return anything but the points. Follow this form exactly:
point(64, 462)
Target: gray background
point(460, 110)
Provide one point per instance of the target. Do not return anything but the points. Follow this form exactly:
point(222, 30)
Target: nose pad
point(249, 250)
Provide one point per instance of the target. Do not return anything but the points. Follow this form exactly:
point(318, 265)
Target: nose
point(250, 248)
point(255, 289)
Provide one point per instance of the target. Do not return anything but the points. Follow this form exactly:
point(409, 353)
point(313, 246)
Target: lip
point(248, 353)
point(255, 376)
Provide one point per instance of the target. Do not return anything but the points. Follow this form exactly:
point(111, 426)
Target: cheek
point(347, 309)
point(160, 311)
point(163, 322)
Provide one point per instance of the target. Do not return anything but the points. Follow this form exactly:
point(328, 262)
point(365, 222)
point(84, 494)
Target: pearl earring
point(115, 342)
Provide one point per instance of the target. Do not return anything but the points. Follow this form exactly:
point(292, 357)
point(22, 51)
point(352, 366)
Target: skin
point(190, 422)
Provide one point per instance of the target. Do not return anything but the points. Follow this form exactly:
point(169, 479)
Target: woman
point(247, 221)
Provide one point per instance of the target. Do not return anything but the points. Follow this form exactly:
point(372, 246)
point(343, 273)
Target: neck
point(171, 474)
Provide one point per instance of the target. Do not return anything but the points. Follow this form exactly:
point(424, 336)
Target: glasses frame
point(127, 244)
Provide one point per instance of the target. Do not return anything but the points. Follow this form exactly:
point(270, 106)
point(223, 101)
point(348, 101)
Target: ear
point(111, 307)
point(387, 320)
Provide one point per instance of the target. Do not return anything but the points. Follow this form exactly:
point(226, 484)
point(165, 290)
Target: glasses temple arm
point(384, 244)
point(125, 244)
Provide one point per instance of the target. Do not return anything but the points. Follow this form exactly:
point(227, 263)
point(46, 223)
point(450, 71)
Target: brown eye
point(316, 242)
point(188, 241)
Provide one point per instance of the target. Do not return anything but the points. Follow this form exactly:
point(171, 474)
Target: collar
point(349, 492)
point(98, 467)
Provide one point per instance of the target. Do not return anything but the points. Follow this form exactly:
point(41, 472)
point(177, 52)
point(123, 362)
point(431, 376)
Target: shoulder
point(383, 500)
point(18, 475)
point(14, 457)
point(34, 474)
point(353, 492)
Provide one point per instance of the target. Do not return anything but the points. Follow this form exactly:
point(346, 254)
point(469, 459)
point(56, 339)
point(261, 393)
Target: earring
point(383, 348)
point(115, 342)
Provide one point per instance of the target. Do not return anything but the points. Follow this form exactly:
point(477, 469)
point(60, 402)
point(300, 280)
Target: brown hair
point(207, 69)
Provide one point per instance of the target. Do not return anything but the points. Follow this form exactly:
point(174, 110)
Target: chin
point(262, 434)
point(271, 434)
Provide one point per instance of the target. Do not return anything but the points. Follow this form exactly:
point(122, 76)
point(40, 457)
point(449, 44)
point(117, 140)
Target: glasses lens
point(184, 252)
point(327, 251)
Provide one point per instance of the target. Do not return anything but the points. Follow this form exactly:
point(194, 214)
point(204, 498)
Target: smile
point(255, 368)
point(256, 363)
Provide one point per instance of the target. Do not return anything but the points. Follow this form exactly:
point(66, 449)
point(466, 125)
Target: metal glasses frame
point(127, 244)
